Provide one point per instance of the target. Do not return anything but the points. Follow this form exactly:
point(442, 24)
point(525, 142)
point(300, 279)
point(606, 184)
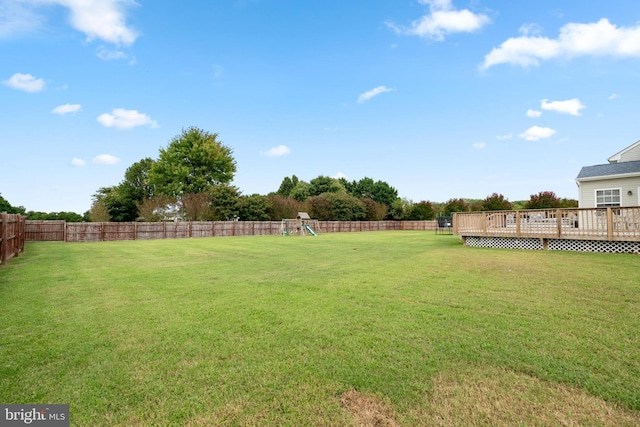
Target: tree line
point(191, 180)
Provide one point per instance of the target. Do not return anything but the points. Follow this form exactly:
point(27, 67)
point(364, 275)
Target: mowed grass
point(384, 328)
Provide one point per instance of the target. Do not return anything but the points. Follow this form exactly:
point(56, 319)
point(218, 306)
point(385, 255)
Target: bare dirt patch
point(367, 411)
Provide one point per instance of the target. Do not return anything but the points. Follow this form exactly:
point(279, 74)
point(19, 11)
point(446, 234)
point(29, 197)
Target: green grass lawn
point(384, 328)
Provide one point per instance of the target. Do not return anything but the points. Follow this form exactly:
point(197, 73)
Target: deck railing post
point(559, 221)
point(485, 218)
point(609, 224)
point(518, 223)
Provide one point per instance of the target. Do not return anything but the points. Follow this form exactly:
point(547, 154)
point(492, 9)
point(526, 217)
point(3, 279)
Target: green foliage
point(325, 184)
point(399, 208)
point(279, 207)
point(137, 185)
point(496, 202)
point(300, 192)
point(193, 162)
point(157, 208)
point(287, 185)
point(378, 191)
point(63, 216)
point(420, 211)
point(5, 206)
point(336, 207)
point(543, 200)
point(118, 206)
point(568, 203)
point(224, 201)
point(455, 205)
point(253, 208)
point(99, 211)
point(374, 211)
point(196, 207)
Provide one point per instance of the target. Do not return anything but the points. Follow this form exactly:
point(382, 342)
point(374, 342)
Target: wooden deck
point(604, 224)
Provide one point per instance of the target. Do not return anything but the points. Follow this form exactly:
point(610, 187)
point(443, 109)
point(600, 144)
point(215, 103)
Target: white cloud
point(570, 106)
point(66, 109)
point(105, 159)
point(613, 96)
point(97, 19)
point(280, 150)
point(25, 82)
point(104, 20)
point(125, 119)
point(78, 162)
point(534, 113)
point(373, 92)
point(441, 20)
point(595, 39)
point(530, 29)
point(479, 145)
point(536, 133)
point(507, 136)
point(16, 18)
point(110, 55)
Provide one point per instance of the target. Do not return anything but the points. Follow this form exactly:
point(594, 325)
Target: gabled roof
point(618, 156)
point(610, 170)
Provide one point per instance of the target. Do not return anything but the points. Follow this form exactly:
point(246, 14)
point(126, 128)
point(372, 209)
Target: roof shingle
point(609, 169)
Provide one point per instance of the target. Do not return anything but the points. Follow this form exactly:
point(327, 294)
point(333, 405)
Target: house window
point(608, 198)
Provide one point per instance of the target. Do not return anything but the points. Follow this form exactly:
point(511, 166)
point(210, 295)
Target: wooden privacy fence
point(12, 236)
point(61, 231)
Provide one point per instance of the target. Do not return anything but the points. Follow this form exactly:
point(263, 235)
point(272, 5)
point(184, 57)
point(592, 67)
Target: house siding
point(631, 155)
point(588, 190)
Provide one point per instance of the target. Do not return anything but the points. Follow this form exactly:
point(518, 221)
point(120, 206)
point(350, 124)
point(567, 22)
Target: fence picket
point(101, 231)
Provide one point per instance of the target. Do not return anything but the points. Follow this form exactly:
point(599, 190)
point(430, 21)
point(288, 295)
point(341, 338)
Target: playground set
point(301, 226)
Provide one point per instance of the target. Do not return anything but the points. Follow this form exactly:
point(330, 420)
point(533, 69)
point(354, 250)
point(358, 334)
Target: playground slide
point(310, 230)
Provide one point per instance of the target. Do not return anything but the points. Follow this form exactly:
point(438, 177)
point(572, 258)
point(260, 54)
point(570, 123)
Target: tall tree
point(543, 200)
point(253, 208)
point(136, 184)
point(455, 205)
point(378, 191)
point(224, 201)
point(287, 185)
point(279, 207)
point(496, 202)
point(196, 207)
point(5, 206)
point(325, 184)
point(119, 207)
point(421, 211)
point(193, 162)
point(300, 192)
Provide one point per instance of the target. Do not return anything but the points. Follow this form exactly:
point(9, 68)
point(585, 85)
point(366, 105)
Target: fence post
point(3, 235)
point(23, 232)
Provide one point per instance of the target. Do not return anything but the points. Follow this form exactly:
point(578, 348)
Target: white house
point(613, 184)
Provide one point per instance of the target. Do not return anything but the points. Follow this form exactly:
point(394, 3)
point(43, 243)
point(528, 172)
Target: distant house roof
point(609, 170)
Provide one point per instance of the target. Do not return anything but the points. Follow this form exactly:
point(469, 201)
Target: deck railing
point(612, 224)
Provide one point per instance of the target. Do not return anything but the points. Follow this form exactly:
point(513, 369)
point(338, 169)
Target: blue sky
point(439, 98)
